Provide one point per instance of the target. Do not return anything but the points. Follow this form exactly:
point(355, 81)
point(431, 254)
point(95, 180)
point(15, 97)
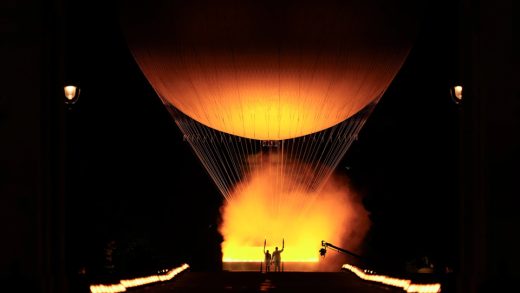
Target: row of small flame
point(261, 260)
point(129, 283)
point(406, 284)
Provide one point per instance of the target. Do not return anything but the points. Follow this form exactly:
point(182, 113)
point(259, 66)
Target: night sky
point(439, 179)
point(132, 178)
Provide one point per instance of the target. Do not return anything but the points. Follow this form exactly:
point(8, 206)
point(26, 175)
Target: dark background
point(438, 178)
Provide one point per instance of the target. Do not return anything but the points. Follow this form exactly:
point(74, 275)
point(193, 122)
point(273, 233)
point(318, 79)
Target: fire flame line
point(129, 283)
point(261, 260)
point(405, 284)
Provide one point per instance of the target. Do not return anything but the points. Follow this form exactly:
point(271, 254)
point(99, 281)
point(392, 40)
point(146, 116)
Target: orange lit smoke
point(273, 205)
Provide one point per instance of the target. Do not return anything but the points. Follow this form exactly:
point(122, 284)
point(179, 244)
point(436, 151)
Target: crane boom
point(326, 245)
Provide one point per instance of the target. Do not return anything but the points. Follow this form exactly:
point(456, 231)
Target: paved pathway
point(296, 282)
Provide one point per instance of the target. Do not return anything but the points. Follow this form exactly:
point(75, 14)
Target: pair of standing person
point(275, 258)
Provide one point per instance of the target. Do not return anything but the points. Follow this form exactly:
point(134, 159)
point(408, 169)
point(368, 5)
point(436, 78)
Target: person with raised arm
point(267, 258)
point(277, 258)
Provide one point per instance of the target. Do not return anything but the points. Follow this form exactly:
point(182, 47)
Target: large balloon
point(269, 70)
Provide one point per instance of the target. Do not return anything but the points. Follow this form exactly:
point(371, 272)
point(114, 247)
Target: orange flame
point(274, 204)
point(406, 284)
point(130, 283)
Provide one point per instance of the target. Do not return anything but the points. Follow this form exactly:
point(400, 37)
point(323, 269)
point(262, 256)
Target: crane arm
point(326, 245)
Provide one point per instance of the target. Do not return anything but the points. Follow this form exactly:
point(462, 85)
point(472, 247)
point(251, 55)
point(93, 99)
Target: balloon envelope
point(269, 70)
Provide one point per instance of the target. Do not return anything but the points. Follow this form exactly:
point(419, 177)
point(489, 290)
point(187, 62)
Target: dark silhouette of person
point(267, 258)
point(277, 258)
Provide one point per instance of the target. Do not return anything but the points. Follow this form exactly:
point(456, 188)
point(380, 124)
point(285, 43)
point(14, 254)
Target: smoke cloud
point(275, 203)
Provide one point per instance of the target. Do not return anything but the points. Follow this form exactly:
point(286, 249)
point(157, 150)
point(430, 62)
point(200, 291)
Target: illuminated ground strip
point(129, 283)
point(239, 260)
point(405, 284)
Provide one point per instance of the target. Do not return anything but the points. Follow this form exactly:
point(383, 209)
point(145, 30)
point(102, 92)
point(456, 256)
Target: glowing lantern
point(456, 94)
point(71, 94)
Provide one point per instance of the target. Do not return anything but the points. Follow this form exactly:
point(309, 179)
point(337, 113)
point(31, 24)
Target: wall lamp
point(456, 94)
point(71, 94)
